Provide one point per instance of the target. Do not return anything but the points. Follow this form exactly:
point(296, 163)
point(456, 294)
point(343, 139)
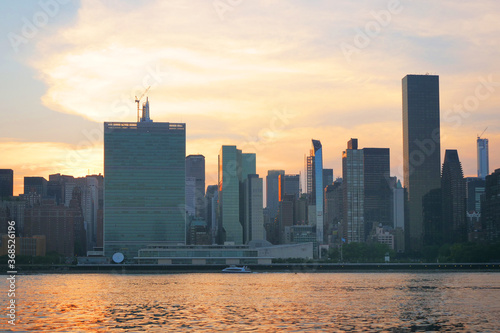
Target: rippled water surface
point(259, 302)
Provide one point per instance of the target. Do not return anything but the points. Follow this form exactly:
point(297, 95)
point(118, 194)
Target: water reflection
point(260, 302)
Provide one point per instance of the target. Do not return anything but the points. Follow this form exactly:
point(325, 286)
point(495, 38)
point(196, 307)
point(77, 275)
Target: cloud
point(227, 78)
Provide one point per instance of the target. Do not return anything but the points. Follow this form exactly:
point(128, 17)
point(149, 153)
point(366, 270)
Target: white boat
point(236, 269)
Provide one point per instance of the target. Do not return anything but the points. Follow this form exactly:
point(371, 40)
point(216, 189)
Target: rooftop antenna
point(137, 100)
point(479, 136)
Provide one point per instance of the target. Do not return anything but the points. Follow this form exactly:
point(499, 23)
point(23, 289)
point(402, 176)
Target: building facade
point(421, 149)
point(234, 167)
point(353, 223)
point(195, 167)
point(453, 199)
point(6, 183)
point(273, 191)
point(483, 168)
point(144, 168)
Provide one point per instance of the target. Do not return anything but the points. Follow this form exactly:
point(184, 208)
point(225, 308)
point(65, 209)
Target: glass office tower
point(482, 158)
point(144, 185)
point(317, 153)
point(234, 168)
point(421, 149)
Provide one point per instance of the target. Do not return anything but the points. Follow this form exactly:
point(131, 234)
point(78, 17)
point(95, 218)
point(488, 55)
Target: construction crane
point(479, 136)
point(137, 100)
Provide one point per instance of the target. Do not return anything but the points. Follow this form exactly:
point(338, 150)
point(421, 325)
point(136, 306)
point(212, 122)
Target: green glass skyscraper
point(234, 168)
point(144, 185)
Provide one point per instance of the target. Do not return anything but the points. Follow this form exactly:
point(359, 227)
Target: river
point(258, 302)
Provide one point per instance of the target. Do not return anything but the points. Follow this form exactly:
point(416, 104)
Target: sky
point(267, 76)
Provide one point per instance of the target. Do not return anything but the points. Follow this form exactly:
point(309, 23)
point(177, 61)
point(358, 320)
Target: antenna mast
point(137, 100)
point(479, 136)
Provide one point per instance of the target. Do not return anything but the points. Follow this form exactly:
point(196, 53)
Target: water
point(260, 302)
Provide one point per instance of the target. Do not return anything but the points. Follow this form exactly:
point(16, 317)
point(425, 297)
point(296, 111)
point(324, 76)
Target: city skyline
point(236, 83)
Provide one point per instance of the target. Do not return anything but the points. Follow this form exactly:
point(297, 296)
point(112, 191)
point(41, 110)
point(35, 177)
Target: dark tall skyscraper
point(421, 149)
point(353, 222)
point(6, 183)
point(454, 199)
point(376, 170)
point(195, 168)
point(490, 207)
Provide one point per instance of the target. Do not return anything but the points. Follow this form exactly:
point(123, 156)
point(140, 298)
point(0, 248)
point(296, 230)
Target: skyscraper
point(272, 191)
point(482, 158)
point(421, 149)
point(454, 199)
point(327, 177)
point(353, 224)
point(144, 185)
point(195, 167)
point(377, 200)
point(234, 167)
point(6, 183)
point(292, 185)
point(254, 214)
point(490, 207)
point(317, 156)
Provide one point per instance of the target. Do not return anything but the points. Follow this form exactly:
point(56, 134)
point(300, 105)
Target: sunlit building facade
point(144, 200)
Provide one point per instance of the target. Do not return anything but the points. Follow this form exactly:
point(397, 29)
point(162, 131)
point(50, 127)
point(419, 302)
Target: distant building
point(6, 183)
point(35, 184)
point(421, 150)
point(25, 246)
point(474, 188)
point(195, 167)
point(453, 198)
point(398, 205)
point(190, 196)
point(253, 210)
point(482, 158)
point(62, 226)
point(273, 191)
point(378, 194)
point(383, 235)
point(211, 198)
point(292, 185)
point(490, 207)
point(334, 201)
point(317, 190)
point(327, 177)
point(353, 223)
point(234, 167)
point(145, 175)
